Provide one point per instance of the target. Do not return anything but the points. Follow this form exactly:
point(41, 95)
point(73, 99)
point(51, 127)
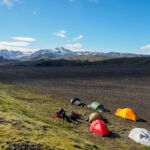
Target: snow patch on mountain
point(60, 52)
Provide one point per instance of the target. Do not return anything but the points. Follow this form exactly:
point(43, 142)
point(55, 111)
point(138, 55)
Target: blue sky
point(94, 25)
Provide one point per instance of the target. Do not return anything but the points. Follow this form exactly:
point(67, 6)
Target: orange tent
point(127, 113)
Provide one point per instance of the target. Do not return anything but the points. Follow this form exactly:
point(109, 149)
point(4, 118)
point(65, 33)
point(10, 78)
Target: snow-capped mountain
point(61, 52)
point(57, 52)
point(11, 54)
point(119, 55)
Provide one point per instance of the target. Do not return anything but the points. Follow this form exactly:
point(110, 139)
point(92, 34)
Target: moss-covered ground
point(27, 120)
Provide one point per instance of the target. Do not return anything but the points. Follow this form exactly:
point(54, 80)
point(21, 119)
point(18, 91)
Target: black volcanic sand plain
point(44, 90)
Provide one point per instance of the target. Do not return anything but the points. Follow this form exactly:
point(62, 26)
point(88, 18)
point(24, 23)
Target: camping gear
point(127, 113)
point(140, 135)
point(61, 114)
point(73, 115)
point(86, 118)
point(97, 106)
point(58, 115)
point(95, 116)
point(99, 127)
point(76, 101)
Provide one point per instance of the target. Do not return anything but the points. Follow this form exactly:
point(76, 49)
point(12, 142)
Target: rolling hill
point(80, 61)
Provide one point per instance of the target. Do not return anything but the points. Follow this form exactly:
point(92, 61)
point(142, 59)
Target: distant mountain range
point(61, 52)
point(11, 54)
point(6, 61)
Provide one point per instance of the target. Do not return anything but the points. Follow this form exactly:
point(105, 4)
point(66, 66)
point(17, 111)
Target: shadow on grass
point(141, 120)
point(76, 119)
point(107, 110)
point(106, 121)
point(114, 135)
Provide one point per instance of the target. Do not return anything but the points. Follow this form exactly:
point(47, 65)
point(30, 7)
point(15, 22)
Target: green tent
point(96, 106)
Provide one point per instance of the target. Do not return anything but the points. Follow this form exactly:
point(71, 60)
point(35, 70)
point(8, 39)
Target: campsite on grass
point(41, 109)
point(74, 75)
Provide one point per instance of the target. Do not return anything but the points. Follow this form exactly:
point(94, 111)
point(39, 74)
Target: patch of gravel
point(26, 146)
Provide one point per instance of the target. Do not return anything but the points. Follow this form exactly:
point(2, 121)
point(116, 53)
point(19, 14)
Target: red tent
point(99, 127)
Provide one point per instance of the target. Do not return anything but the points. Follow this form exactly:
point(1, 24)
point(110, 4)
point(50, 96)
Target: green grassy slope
point(27, 115)
point(81, 60)
point(64, 61)
point(128, 61)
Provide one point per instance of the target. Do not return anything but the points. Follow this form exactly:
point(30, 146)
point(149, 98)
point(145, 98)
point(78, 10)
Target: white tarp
point(140, 135)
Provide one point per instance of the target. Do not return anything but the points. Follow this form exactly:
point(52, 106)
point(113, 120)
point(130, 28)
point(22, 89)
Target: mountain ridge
point(62, 52)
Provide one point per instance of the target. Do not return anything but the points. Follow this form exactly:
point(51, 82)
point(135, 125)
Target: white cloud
point(76, 45)
point(61, 33)
point(79, 50)
point(5, 43)
point(23, 49)
point(143, 53)
point(9, 3)
point(27, 39)
point(21, 46)
point(77, 38)
point(146, 47)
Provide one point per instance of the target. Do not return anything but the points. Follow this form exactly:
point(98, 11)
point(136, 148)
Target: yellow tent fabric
point(127, 113)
